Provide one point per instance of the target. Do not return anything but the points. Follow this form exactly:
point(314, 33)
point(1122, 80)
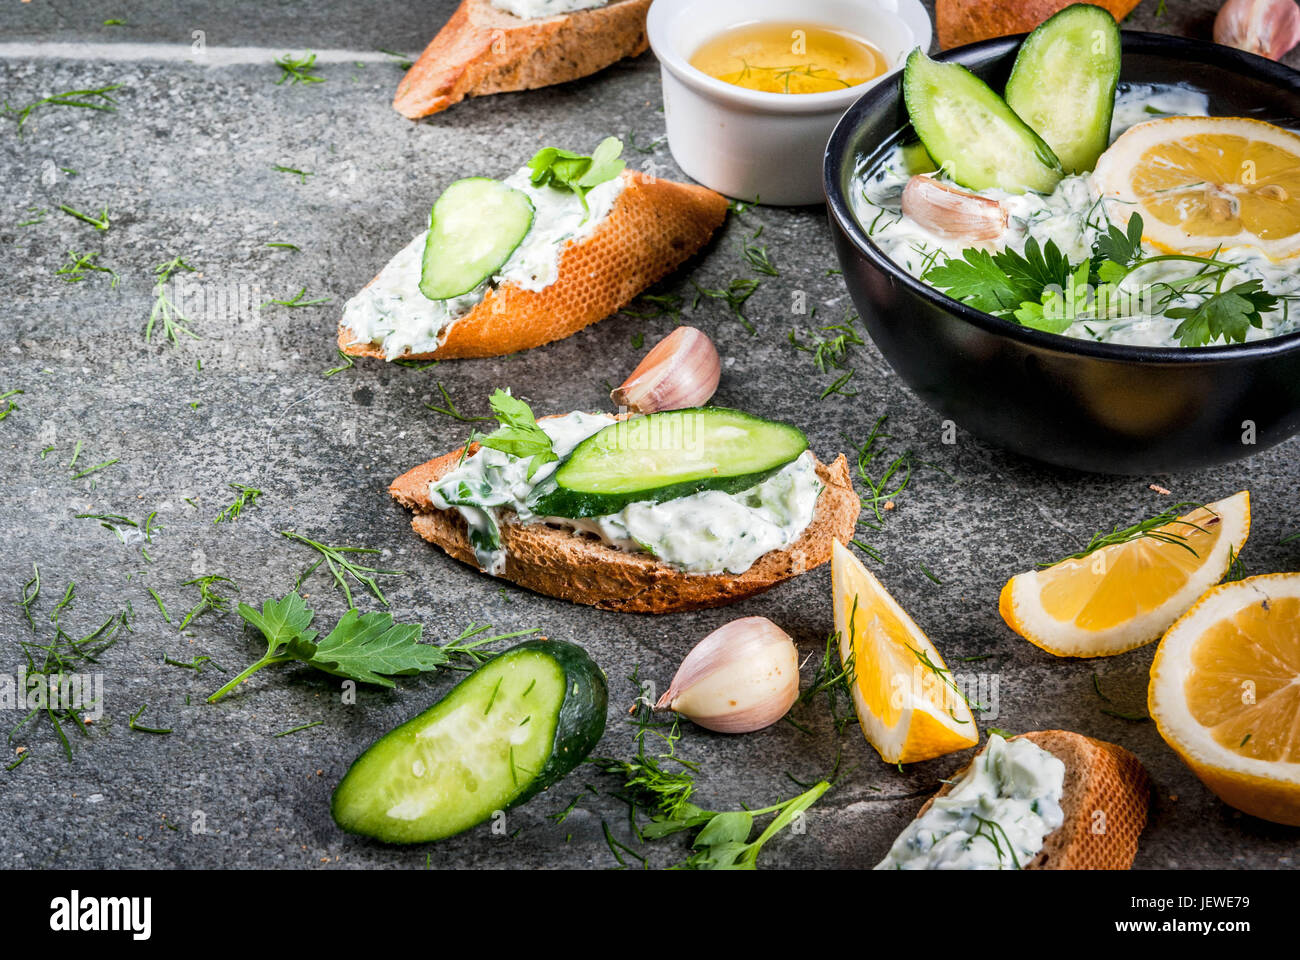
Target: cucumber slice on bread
point(473, 229)
point(971, 133)
point(664, 456)
point(1063, 83)
point(510, 729)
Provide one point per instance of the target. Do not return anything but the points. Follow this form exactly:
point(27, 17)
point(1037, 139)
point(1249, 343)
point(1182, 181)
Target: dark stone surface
point(185, 168)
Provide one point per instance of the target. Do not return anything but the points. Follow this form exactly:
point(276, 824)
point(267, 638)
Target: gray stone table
point(185, 168)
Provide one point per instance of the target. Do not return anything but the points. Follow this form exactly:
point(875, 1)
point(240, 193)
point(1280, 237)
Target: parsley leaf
point(566, 170)
point(998, 283)
point(365, 647)
point(1227, 313)
point(1119, 247)
point(519, 435)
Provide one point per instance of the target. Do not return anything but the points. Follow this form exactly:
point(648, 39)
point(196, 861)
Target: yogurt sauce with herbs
point(1070, 216)
point(393, 312)
point(532, 9)
point(994, 818)
point(707, 532)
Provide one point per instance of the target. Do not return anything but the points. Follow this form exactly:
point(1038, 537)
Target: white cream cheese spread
point(393, 313)
point(995, 817)
point(706, 532)
point(532, 9)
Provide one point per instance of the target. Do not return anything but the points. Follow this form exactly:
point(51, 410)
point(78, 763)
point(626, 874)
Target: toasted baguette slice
point(582, 569)
point(484, 50)
point(1105, 801)
point(652, 228)
point(959, 22)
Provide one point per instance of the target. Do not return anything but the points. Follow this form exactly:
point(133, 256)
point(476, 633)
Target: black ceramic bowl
point(1075, 403)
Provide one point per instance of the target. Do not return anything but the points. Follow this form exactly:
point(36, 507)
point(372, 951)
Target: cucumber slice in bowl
point(971, 133)
point(664, 456)
point(1063, 83)
point(510, 729)
point(474, 227)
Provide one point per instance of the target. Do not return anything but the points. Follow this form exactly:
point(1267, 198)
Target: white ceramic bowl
point(748, 143)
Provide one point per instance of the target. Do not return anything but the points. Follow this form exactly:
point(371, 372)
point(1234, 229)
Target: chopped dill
point(734, 295)
point(401, 61)
point(141, 728)
point(758, 259)
point(341, 567)
point(1151, 528)
point(295, 70)
point(209, 599)
point(304, 726)
point(99, 222)
point(97, 467)
point(284, 245)
point(165, 310)
point(10, 404)
point(347, 364)
point(298, 300)
point(247, 497)
point(302, 176)
point(74, 271)
point(98, 98)
point(449, 408)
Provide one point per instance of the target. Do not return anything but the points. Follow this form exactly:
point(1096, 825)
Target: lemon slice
point(1126, 595)
point(1201, 183)
point(908, 703)
point(1225, 694)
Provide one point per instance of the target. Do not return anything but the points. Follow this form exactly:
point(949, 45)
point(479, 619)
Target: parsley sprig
point(365, 647)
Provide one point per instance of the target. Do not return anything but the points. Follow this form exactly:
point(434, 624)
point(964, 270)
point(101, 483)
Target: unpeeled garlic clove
point(951, 212)
point(681, 370)
point(1269, 28)
point(742, 677)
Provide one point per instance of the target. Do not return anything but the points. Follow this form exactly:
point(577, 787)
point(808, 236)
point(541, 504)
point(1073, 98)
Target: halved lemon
point(1225, 693)
point(1126, 595)
point(1206, 182)
point(908, 703)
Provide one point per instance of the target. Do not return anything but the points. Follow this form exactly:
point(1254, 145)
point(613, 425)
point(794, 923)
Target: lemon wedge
point(1204, 183)
point(1126, 595)
point(1225, 693)
point(907, 701)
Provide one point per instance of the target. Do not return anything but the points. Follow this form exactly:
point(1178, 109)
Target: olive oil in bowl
point(789, 57)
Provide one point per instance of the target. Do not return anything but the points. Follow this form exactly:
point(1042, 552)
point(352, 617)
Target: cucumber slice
point(1063, 83)
point(474, 227)
point(511, 728)
point(971, 132)
point(664, 456)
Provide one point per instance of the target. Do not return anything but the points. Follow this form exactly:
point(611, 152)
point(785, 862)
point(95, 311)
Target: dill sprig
point(99, 221)
point(734, 296)
point(298, 69)
point(10, 404)
point(165, 310)
point(341, 567)
point(37, 215)
point(302, 176)
point(758, 259)
point(831, 344)
point(449, 409)
point(298, 300)
point(661, 305)
point(1151, 528)
point(98, 98)
point(133, 723)
point(209, 599)
point(347, 364)
point(96, 468)
point(247, 497)
point(74, 271)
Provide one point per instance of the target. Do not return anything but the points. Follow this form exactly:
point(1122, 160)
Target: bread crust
point(482, 50)
point(653, 227)
point(959, 22)
point(1105, 799)
point(557, 563)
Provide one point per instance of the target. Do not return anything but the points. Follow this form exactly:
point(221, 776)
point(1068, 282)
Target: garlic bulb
point(681, 370)
point(951, 212)
point(742, 677)
point(1269, 28)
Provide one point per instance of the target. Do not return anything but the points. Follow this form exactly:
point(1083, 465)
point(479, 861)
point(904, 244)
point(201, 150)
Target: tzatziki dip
point(1149, 306)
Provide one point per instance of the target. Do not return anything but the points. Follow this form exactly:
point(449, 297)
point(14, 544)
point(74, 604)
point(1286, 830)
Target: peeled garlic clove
point(681, 370)
point(951, 212)
point(742, 677)
point(1269, 28)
